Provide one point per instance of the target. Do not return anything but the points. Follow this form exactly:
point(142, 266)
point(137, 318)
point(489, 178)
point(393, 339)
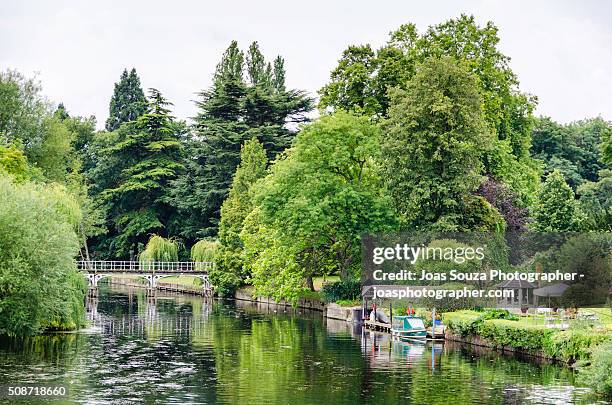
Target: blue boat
point(408, 327)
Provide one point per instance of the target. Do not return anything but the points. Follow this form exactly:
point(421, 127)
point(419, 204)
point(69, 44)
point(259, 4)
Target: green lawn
point(182, 280)
point(604, 315)
point(319, 280)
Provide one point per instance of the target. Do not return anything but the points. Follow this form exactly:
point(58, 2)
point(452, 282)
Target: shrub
point(597, 372)
point(159, 249)
point(40, 287)
point(341, 290)
point(348, 303)
point(499, 314)
point(569, 345)
point(501, 332)
point(204, 250)
point(574, 344)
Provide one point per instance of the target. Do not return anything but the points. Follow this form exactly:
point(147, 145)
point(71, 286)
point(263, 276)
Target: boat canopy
point(408, 322)
point(416, 323)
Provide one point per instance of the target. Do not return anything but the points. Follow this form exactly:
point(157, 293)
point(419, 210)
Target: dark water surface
point(179, 349)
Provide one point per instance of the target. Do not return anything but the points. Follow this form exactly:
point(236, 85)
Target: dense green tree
point(150, 152)
point(606, 148)
point(128, 101)
point(228, 272)
point(84, 132)
point(46, 146)
point(588, 136)
point(27, 122)
point(40, 287)
point(504, 201)
point(432, 147)
point(363, 77)
point(596, 202)
point(14, 163)
point(247, 100)
point(81, 133)
point(314, 206)
point(556, 208)
point(574, 149)
point(351, 84)
point(160, 249)
point(362, 80)
point(589, 254)
point(22, 110)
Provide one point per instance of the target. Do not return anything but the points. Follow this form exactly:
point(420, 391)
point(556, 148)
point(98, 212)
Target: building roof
point(553, 290)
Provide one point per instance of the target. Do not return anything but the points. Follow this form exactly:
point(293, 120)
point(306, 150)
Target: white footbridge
point(95, 270)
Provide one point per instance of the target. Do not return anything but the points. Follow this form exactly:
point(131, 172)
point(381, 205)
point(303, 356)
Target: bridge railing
point(121, 266)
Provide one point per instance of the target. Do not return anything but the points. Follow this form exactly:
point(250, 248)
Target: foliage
point(597, 372)
point(128, 101)
point(596, 202)
point(505, 202)
point(499, 332)
point(159, 249)
point(363, 79)
point(462, 322)
point(316, 203)
point(234, 210)
point(574, 344)
point(555, 209)
point(40, 287)
point(342, 290)
point(349, 303)
point(573, 149)
point(137, 202)
point(272, 265)
point(591, 255)
point(204, 250)
point(27, 123)
point(606, 148)
point(248, 99)
point(498, 313)
point(569, 346)
point(503, 332)
point(431, 151)
point(22, 111)
point(14, 162)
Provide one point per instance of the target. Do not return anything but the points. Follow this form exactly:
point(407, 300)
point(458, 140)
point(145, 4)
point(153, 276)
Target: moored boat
point(408, 327)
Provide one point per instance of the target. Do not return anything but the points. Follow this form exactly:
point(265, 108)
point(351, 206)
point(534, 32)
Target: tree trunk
point(309, 283)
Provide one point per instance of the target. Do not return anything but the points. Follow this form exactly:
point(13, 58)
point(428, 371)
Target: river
point(181, 349)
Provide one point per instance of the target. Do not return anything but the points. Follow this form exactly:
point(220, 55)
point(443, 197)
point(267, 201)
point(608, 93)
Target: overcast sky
point(559, 49)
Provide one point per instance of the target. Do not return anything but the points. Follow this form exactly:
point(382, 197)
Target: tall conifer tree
point(247, 100)
point(151, 150)
point(128, 101)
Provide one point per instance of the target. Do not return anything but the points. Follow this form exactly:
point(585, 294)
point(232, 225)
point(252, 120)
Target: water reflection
point(171, 348)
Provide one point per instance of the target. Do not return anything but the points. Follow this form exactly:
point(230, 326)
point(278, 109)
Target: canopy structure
point(553, 290)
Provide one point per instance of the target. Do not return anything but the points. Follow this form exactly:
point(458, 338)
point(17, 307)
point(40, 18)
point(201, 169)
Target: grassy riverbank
point(530, 334)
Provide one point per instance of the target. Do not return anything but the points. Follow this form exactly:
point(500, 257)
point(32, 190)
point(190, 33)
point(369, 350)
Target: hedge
point(569, 345)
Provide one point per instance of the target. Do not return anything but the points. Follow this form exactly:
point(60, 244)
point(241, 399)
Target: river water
point(180, 349)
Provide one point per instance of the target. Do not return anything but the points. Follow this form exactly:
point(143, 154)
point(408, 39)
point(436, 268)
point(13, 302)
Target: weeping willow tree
point(40, 287)
point(204, 250)
point(160, 249)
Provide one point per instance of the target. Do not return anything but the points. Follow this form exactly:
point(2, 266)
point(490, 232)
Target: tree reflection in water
point(167, 347)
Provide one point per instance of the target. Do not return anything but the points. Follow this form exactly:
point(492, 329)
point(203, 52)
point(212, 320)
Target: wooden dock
point(379, 326)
